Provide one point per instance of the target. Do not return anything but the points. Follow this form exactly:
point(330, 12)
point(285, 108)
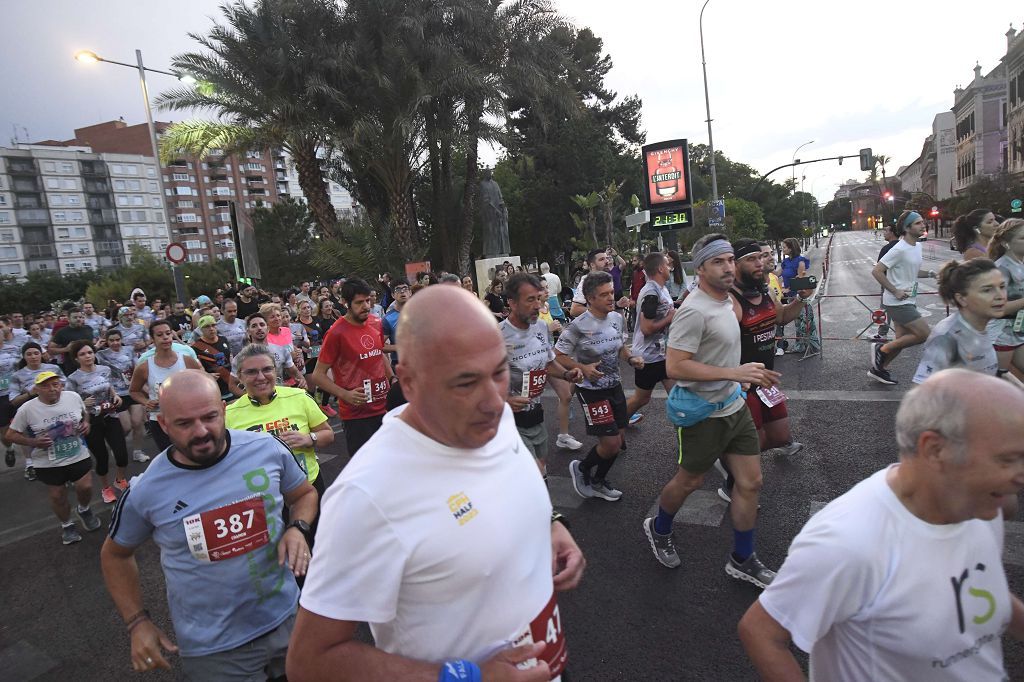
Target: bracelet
point(559, 518)
point(457, 670)
point(134, 621)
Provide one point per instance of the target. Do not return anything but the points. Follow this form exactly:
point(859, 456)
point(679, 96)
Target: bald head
point(192, 416)
point(438, 317)
point(190, 385)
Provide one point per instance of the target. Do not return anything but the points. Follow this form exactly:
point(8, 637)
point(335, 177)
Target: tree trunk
point(468, 217)
point(314, 187)
point(402, 226)
point(438, 203)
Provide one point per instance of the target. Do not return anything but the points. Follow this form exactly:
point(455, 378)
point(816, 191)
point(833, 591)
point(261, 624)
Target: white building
point(288, 185)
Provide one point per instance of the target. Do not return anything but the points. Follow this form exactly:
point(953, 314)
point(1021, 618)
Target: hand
point(42, 442)
point(296, 439)
point(805, 294)
point(518, 403)
point(147, 642)
point(152, 405)
point(575, 375)
point(590, 372)
point(301, 382)
point(636, 362)
point(355, 397)
point(293, 549)
point(502, 666)
point(116, 402)
point(567, 562)
point(83, 427)
point(554, 326)
point(90, 401)
point(755, 373)
point(902, 295)
point(623, 302)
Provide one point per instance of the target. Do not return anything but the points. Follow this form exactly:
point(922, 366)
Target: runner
point(132, 415)
point(1007, 248)
point(212, 503)
point(362, 376)
point(531, 360)
point(592, 343)
point(134, 333)
point(972, 233)
point(9, 356)
point(92, 383)
point(898, 272)
point(75, 330)
point(52, 424)
point(977, 290)
point(656, 308)
point(890, 241)
point(598, 260)
point(902, 577)
point(450, 562)
point(22, 386)
point(314, 334)
point(758, 315)
point(257, 327)
point(150, 373)
point(98, 323)
point(215, 357)
point(707, 407)
point(140, 310)
point(231, 328)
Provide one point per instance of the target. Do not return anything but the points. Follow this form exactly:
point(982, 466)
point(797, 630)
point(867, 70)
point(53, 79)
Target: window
point(139, 216)
point(74, 200)
point(122, 200)
point(252, 155)
point(183, 191)
point(67, 249)
point(131, 169)
point(79, 232)
point(60, 216)
point(83, 250)
point(6, 236)
point(126, 216)
point(3, 199)
point(49, 166)
point(186, 203)
point(86, 265)
point(135, 185)
point(119, 185)
point(56, 200)
point(154, 202)
point(158, 216)
point(116, 168)
point(53, 183)
point(254, 166)
point(63, 233)
point(137, 201)
point(67, 167)
point(68, 183)
point(8, 252)
point(142, 231)
point(180, 176)
point(127, 230)
point(153, 187)
point(69, 266)
point(10, 269)
point(188, 218)
point(150, 171)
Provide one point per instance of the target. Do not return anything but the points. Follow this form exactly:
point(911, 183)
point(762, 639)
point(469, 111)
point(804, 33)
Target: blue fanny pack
point(686, 408)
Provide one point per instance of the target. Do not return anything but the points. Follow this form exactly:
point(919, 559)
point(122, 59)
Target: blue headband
point(909, 220)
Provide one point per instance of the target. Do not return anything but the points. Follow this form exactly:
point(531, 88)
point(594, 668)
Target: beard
point(751, 285)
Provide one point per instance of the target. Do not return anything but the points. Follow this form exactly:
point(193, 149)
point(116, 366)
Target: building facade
point(980, 111)
point(1014, 64)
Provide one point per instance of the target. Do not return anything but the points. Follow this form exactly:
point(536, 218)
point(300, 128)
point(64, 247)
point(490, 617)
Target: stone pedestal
point(485, 269)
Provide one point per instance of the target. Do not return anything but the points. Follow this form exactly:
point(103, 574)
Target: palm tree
point(263, 74)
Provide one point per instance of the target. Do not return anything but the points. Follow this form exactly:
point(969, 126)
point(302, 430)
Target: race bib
point(376, 389)
point(1018, 322)
point(547, 628)
point(314, 351)
point(599, 413)
point(101, 408)
point(771, 396)
point(64, 448)
point(228, 531)
point(5, 384)
point(534, 382)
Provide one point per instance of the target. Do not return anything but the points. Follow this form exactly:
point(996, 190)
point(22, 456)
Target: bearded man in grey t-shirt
point(703, 356)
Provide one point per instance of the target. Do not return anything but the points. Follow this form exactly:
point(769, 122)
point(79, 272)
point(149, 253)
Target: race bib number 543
point(228, 531)
point(547, 628)
point(599, 413)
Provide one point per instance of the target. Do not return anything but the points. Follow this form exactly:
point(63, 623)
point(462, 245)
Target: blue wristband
point(459, 670)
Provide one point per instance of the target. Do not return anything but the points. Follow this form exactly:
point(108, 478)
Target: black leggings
point(106, 430)
point(159, 437)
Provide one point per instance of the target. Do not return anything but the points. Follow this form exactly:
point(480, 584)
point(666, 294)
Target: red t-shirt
point(356, 355)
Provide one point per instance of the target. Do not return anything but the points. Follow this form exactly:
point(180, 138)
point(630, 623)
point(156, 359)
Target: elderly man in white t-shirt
point(440, 533)
point(902, 577)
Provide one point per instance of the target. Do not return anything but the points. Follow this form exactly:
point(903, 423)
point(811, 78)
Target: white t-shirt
point(60, 422)
point(903, 262)
point(873, 592)
point(554, 283)
point(450, 559)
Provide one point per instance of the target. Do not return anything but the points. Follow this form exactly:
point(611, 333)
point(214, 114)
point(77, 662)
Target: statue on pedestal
point(494, 217)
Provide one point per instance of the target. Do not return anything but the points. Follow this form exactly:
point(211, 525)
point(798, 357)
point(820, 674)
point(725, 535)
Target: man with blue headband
point(897, 272)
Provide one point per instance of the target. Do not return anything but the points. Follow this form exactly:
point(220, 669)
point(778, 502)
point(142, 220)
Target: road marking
point(702, 508)
point(45, 524)
point(22, 661)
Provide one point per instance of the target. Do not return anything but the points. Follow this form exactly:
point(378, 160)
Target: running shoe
point(605, 490)
point(140, 456)
point(791, 449)
point(108, 495)
point(9, 457)
point(751, 571)
point(69, 534)
point(89, 520)
point(579, 483)
point(30, 473)
point(567, 442)
point(721, 469)
point(725, 492)
point(121, 484)
point(779, 352)
point(662, 546)
point(882, 376)
point(878, 356)
point(636, 418)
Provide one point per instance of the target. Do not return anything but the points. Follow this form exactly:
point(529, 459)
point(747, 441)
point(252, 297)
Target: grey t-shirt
point(588, 339)
point(24, 379)
point(95, 384)
point(708, 328)
point(122, 364)
point(529, 352)
point(652, 347)
point(954, 343)
point(233, 333)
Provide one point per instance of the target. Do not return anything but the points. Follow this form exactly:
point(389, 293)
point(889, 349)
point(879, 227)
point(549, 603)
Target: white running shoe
point(790, 449)
point(140, 456)
point(567, 442)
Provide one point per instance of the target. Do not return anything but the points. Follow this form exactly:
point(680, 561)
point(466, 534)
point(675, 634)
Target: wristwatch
point(303, 528)
point(312, 436)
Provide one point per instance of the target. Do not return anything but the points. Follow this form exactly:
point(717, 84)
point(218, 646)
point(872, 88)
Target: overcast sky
point(846, 75)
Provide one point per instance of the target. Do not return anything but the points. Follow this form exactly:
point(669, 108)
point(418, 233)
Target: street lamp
point(795, 152)
point(90, 57)
point(707, 106)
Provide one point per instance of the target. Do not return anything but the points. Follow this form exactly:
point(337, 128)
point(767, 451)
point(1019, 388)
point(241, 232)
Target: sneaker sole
point(881, 380)
point(782, 452)
point(724, 495)
point(573, 476)
point(649, 532)
point(567, 446)
point(733, 572)
point(871, 355)
point(71, 541)
point(609, 498)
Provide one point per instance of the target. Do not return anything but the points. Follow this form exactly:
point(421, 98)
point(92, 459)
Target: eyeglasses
point(399, 290)
point(253, 373)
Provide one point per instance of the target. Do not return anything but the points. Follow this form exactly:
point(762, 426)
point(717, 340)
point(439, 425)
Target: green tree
point(41, 289)
point(284, 233)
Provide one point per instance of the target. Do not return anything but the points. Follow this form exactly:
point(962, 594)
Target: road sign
point(1016, 205)
point(716, 213)
point(176, 253)
point(638, 218)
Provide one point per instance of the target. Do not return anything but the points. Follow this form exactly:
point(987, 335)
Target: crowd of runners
point(439, 532)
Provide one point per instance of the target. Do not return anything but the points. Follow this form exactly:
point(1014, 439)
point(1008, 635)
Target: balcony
point(93, 168)
point(39, 251)
point(257, 191)
point(33, 216)
point(97, 186)
point(26, 185)
point(103, 216)
point(98, 202)
point(30, 201)
point(20, 167)
point(109, 248)
point(106, 233)
point(255, 179)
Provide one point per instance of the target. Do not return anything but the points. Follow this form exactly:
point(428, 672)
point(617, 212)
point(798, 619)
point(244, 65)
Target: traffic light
point(867, 161)
point(934, 213)
point(860, 211)
point(887, 195)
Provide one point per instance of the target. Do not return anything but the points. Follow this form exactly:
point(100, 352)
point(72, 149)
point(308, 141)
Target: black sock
point(591, 461)
point(604, 467)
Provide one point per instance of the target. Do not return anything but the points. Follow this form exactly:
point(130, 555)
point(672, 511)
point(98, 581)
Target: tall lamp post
point(795, 152)
point(89, 57)
point(707, 106)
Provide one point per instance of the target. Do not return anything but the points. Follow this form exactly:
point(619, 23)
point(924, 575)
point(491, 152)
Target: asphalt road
point(631, 619)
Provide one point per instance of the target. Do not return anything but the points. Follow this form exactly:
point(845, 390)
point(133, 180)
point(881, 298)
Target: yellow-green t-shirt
point(291, 410)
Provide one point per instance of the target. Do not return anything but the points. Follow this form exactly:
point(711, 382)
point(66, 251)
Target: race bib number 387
point(547, 628)
point(228, 531)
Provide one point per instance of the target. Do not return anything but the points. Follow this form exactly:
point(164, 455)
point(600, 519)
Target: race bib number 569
point(228, 531)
